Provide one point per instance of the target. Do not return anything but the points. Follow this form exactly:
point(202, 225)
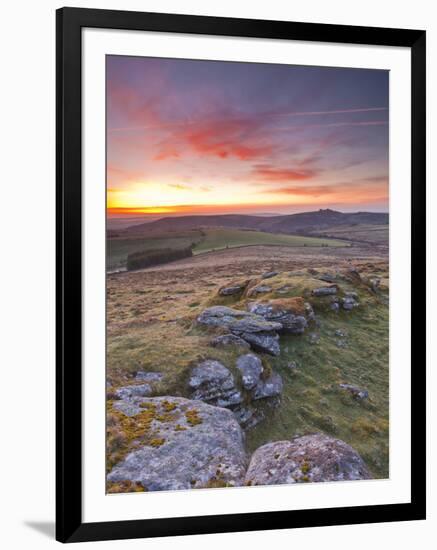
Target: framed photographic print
point(240, 274)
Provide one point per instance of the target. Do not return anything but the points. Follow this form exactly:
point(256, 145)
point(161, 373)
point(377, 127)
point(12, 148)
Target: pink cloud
point(217, 138)
point(269, 173)
point(167, 153)
point(366, 189)
point(309, 190)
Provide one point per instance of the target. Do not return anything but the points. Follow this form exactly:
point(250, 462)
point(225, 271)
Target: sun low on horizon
point(192, 137)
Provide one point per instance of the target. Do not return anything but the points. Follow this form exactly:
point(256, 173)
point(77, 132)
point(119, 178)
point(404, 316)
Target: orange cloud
point(361, 191)
point(269, 173)
point(312, 190)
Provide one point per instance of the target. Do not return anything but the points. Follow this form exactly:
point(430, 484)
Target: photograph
point(217, 313)
point(247, 274)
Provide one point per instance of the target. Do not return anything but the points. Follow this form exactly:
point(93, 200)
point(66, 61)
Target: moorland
point(272, 329)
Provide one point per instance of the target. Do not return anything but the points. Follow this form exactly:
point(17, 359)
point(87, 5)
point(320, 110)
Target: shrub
point(149, 258)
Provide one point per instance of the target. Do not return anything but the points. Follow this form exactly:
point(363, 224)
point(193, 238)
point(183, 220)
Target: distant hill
point(303, 223)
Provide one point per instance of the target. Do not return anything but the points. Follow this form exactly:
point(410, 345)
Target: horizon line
point(141, 212)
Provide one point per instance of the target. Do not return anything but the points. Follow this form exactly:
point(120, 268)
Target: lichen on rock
point(310, 458)
point(199, 445)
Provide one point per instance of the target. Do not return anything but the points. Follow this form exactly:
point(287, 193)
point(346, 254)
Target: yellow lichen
point(165, 417)
point(216, 483)
point(124, 487)
point(193, 417)
point(168, 406)
point(124, 430)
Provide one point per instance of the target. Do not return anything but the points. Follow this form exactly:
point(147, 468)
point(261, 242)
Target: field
point(374, 234)
point(218, 239)
point(208, 240)
point(118, 249)
point(152, 327)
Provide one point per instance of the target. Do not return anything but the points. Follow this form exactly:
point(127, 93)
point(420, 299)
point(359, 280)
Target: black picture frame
point(69, 525)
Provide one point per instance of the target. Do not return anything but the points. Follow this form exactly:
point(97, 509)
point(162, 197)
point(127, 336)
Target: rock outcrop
point(260, 289)
point(292, 313)
point(264, 342)
point(349, 301)
point(251, 369)
point(212, 382)
point(257, 386)
point(325, 291)
point(129, 393)
point(132, 392)
point(270, 387)
point(233, 288)
point(229, 340)
point(327, 277)
point(189, 444)
point(311, 458)
point(269, 274)
point(254, 329)
point(355, 391)
point(235, 320)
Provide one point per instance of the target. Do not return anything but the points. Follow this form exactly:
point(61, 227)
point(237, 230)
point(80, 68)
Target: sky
point(199, 137)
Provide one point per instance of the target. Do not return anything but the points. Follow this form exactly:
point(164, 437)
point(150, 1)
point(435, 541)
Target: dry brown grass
point(151, 326)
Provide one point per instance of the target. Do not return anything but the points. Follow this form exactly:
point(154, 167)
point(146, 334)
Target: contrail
point(255, 115)
point(333, 112)
point(333, 124)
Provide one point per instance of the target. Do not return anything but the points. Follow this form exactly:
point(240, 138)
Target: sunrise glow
point(196, 137)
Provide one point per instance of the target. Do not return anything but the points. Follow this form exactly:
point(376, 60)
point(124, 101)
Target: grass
point(207, 240)
point(219, 239)
point(118, 249)
point(151, 327)
point(377, 234)
point(312, 400)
